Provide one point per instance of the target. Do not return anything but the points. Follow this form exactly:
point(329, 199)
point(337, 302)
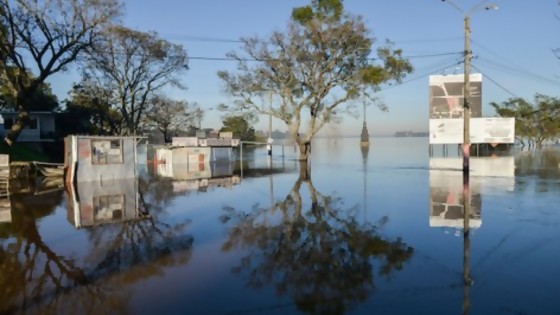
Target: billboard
point(446, 131)
point(483, 130)
point(493, 130)
point(447, 95)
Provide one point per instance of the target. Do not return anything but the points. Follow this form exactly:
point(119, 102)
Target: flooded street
point(359, 232)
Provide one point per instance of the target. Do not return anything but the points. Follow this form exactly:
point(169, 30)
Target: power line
point(209, 58)
point(518, 71)
point(455, 62)
point(195, 38)
point(203, 39)
point(428, 40)
point(205, 58)
point(419, 77)
point(495, 82)
point(493, 53)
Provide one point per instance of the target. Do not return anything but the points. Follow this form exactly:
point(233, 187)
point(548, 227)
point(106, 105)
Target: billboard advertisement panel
point(483, 130)
point(493, 130)
point(446, 131)
point(446, 96)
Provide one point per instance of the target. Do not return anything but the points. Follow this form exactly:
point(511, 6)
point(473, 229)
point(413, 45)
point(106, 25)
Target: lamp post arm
point(453, 4)
point(482, 5)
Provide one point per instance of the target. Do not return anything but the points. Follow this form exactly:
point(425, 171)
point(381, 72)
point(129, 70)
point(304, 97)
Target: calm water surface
point(372, 231)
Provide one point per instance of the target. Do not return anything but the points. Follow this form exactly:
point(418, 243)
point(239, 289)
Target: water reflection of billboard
point(446, 201)
point(446, 187)
point(95, 203)
point(5, 210)
point(446, 96)
point(502, 167)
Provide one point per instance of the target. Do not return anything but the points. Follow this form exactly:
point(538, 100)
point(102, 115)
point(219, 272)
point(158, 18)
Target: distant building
point(41, 127)
point(411, 134)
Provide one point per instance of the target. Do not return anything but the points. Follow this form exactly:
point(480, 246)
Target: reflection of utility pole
point(467, 282)
point(269, 145)
point(365, 151)
point(271, 186)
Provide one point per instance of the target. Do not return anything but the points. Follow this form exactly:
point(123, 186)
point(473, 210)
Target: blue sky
point(512, 46)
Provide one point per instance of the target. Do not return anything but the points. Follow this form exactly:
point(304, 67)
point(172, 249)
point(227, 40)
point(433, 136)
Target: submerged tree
point(134, 65)
point(315, 251)
point(47, 36)
point(316, 69)
point(534, 122)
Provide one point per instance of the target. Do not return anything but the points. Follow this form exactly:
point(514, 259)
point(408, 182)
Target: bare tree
point(134, 65)
point(316, 70)
point(47, 36)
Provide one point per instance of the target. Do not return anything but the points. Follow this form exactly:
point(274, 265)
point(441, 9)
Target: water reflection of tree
point(542, 164)
point(30, 269)
point(318, 253)
point(37, 279)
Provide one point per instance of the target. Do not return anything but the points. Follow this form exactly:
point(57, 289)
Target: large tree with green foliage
point(47, 36)
point(317, 69)
point(42, 99)
point(134, 65)
point(89, 108)
point(240, 128)
point(535, 122)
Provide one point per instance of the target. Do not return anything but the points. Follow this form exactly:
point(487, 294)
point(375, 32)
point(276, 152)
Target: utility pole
point(466, 98)
point(467, 91)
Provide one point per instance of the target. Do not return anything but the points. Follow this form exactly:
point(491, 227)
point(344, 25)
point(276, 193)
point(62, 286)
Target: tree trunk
point(304, 171)
point(18, 125)
point(304, 150)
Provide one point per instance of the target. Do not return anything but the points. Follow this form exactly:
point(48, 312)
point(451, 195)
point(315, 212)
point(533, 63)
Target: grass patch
point(22, 152)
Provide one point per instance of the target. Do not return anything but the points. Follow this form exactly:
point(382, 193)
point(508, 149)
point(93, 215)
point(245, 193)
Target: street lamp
point(467, 91)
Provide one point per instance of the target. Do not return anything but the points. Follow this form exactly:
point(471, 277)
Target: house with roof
point(41, 127)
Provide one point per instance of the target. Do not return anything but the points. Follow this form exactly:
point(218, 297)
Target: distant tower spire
point(364, 138)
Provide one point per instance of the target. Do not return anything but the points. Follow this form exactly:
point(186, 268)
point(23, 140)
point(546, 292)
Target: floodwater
point(378, 231)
